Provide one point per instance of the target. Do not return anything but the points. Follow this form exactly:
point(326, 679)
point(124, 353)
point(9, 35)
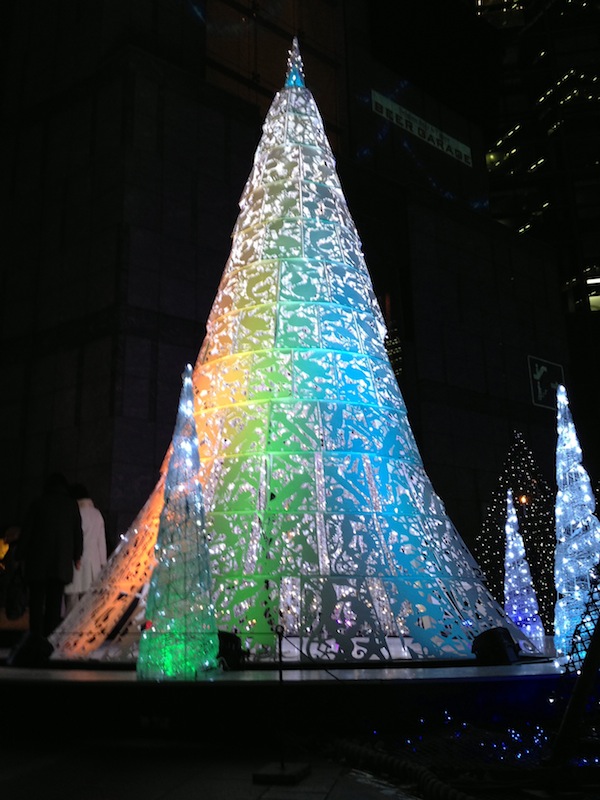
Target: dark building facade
point(545, 171)
point(129, 130)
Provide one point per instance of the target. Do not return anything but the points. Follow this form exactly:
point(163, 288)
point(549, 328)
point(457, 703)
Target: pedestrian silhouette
point(94, 547)
point(50, 547)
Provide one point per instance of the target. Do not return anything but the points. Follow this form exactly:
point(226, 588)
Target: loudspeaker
point(495, 646)
point(230, 650)
point(31, 651)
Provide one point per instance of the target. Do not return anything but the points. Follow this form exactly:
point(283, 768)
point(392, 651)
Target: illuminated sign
point(418, 127)
point(544, 377)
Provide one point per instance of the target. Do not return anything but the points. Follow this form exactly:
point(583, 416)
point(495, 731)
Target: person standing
point(94, 547)
point(50, 547)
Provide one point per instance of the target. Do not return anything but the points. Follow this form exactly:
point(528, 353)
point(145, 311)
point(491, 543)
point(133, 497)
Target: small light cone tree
point(180, 638)
point(577, 529)
point(533, 501)
point(520, 600)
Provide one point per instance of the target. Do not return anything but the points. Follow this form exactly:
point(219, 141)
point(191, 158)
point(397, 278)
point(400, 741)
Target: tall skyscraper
point(544, 169)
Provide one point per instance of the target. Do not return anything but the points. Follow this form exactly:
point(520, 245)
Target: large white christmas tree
point(577, 529)
point(520, 600)
point(320, 517)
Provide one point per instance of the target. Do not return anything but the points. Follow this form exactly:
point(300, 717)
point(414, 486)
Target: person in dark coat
point(50, 547)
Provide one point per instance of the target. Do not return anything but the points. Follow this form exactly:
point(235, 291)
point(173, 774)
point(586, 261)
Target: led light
point(577, 530)
point(182, 641)
point(320, 518)
point(535, 523)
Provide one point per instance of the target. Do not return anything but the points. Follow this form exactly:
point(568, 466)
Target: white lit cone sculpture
point(320, 516)
point(577, 529)
point(520, 600)
point(180, 640)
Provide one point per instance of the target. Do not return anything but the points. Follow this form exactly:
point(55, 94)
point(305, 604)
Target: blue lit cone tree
point(320, 518)
point(180, 639)
point(520, 600)
point(577, 529)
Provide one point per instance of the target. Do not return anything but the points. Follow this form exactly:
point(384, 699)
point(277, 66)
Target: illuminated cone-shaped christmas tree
point(320, 514)
point(533, 500)
point(180, 638)
point(577, 529)
point(520, 601)
point(320, 518)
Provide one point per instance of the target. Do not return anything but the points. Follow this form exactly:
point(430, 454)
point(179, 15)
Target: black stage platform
point(445, 730)
point(339, 699)
point(448, 726)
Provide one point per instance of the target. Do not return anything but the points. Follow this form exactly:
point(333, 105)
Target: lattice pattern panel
point(320, 516)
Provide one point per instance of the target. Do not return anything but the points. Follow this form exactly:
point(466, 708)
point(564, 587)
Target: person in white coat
point(94, 547)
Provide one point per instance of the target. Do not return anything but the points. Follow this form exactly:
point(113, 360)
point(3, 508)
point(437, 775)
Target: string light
point(520, 601)
point(535, 516)
point(180, 640)
point(320, 516)
point(584, 630)
point(577, 529)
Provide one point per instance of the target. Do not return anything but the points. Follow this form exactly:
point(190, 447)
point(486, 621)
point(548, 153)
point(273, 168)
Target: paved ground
point(89, 769)
point(101, 735)
point(163, 771)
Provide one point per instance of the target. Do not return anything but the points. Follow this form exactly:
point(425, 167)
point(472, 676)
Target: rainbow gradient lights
point(319, 515)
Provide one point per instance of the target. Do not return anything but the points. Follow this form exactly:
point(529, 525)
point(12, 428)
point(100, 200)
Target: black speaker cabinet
point(230, 651)
point(495, 646)
point(30, 651)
